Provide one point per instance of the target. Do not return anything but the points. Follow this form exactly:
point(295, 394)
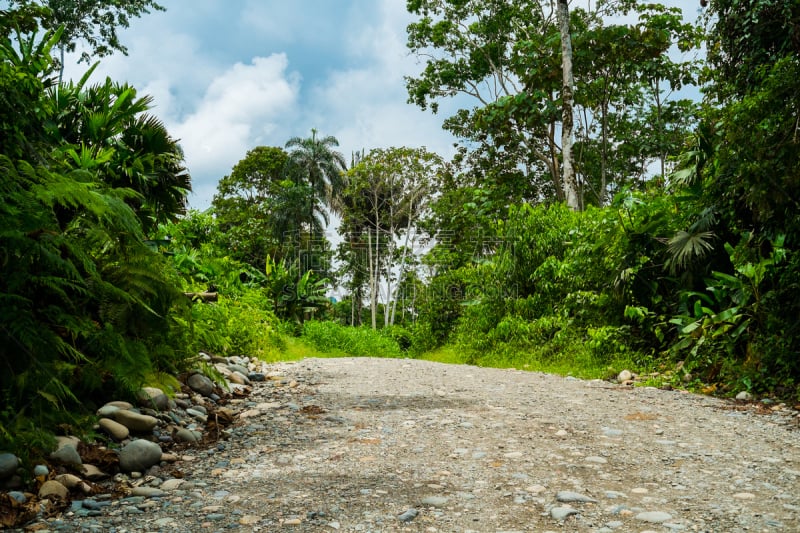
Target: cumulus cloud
point(365, 106)
point(240, 107)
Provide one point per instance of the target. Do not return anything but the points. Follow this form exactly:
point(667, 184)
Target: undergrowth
point(335, 339)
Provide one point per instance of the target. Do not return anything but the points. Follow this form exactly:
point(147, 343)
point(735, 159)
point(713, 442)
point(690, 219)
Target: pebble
point(117, 431)
point(8, 465)
point(187, 435)
point(201, 384)
point(67, 455)
point(18, 496)
point(408, 515)
point(69, 480)
point(139, 455)
point(107, 411)
point(147, 492)
point(172, 484)
point(562, 513)
point(654, 517)
point(566, 496)
point(52, 488)
point(136, 421)
point(435, 501)
point(154, 398)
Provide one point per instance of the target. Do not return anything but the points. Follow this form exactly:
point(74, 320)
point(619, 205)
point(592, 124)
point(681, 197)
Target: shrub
point(360, 341)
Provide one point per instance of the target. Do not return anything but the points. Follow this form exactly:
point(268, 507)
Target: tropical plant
point(295, 295)
point(94, 23)
point(87, 308)
point(314, 161)
point(387, 195)
point(113, 129)
point(506, 57)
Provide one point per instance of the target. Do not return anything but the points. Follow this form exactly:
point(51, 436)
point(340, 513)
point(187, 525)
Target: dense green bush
point(238, 325)
point(89, 309)
point(334, 338)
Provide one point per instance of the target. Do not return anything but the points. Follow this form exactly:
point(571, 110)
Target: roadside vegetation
point(663, 241)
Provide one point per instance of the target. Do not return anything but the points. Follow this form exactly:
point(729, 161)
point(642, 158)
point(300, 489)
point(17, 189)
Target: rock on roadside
point(139, 455)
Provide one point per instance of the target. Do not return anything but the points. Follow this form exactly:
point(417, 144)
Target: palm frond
point(685, 247)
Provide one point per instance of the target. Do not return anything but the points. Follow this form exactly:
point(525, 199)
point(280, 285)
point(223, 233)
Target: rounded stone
point(434, 501)
point(408, 515)
point(62, 441)
point(153, 398)
point(107, 411)
point(567, 496)
point(67, 455)
point(8, 465)
point(52, 488)
point(223, 369)
point(69, 480)
point(238, 368)
point(625, 375)
point(135, 421)
point(562, 513)
point(139, 455)
point(744, 396)
point(18, 496)
point(92, 473)
point(200, 383)
point(186, 435)
point(40, 471)
point(172, 484)
point(115, 429)
point(120, 405)
point(147, 492)
point(197, 414)
point(238, 378)
point(653, 517)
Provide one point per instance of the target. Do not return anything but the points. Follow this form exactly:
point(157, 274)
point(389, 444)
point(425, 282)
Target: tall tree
point(259, 210)
point(95, 23)
point(506, 56)
point(388, 193)
point(316, 162)
point(570, 184)
point(755, 46)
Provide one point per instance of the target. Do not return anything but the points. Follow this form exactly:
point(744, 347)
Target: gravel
point(380, 445)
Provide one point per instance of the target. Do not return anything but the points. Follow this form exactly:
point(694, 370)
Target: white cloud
point(240, 107)
point(365, 106)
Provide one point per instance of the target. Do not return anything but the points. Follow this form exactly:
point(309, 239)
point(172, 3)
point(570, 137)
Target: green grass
point(295, 350)
point(577, 363)
point(337, 340)
point(445, 354)
point(570, 357)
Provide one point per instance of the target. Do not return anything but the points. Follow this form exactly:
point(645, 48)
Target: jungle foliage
point(682, 259)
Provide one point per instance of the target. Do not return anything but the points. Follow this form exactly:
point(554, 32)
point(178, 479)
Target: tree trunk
point(373, 275)
point(352, 309)
point(402, 270)
point(570, 184)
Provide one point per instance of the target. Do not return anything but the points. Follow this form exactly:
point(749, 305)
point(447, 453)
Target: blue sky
point(229, 76)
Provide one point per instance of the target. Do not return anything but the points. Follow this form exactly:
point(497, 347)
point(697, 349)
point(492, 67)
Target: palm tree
point(138, 152)
point(314, 161)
